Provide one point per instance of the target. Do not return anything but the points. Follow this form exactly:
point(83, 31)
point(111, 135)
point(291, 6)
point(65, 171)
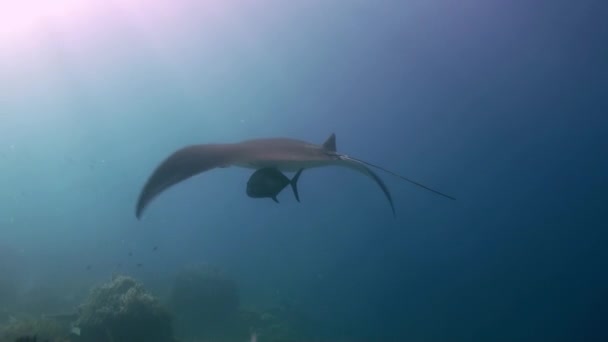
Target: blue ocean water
point(501, 104)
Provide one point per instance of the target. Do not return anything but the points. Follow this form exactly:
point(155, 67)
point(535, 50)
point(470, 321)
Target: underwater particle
point(140, 265)
point(130, 253)
point(88, 267)
point(155, 248)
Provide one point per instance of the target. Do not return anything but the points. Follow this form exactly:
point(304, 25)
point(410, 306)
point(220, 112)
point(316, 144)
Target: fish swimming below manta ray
point(268, 182)
point(282, 154)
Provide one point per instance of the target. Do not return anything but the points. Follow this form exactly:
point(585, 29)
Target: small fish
point(88, 267)
point(269, 182)
point(154, 248)
point(130, 253)
point(140, 265)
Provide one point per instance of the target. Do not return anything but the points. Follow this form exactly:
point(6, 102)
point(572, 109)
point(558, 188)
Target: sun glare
point(20, 19)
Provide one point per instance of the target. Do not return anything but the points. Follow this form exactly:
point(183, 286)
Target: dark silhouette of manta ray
point(284, 154)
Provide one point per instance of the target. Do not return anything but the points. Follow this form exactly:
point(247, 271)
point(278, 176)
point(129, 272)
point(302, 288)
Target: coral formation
point(42, 328)
point(123, 311)
point(204, 301)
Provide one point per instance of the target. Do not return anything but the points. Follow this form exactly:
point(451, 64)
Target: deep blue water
point(503, 105)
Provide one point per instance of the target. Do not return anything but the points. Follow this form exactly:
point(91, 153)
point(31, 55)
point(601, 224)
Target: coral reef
point(10, 278)
point(43, 329)
point(205, 303)
point(123, 311)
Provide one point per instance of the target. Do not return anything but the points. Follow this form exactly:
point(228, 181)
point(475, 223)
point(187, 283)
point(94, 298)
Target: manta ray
point(284, 154)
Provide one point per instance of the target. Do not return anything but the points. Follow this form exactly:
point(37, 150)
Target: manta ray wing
point(181, 165)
